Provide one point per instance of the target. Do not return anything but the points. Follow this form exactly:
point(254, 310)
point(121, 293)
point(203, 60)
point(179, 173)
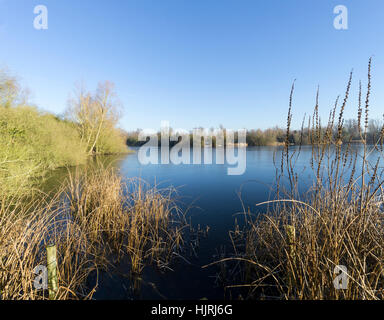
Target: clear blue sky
point(196, 62)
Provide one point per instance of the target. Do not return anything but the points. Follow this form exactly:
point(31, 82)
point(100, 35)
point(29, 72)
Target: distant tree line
point(277, 136)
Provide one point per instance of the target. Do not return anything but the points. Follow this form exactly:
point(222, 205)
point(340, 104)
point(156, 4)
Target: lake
point(213, 199)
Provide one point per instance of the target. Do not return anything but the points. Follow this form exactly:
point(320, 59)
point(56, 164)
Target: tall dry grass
point(130, 217)
point(291, 251)
point(27, 226)
point(94, 216)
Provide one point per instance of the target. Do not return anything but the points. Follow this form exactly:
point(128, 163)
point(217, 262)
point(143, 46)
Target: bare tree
point(9, 89)
point(94, 112)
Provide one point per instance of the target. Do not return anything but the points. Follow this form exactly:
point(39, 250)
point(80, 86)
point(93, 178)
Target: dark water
point(214, 199)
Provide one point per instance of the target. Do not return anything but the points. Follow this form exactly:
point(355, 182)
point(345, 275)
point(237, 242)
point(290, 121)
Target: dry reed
point(291, 251)
point(93, 216)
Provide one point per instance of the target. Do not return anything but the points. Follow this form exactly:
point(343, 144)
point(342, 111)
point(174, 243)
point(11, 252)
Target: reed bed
point(292, 249)
point(94, 216)
point(129, 217)
point(27, 227)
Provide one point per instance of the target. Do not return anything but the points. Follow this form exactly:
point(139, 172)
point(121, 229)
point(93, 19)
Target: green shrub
point(32, 142)
point(111, 141)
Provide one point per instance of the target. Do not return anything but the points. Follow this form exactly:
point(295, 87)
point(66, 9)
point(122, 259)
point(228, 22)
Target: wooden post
point(52, 271)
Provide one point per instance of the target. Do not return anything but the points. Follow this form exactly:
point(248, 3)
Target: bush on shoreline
point(33, 142)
